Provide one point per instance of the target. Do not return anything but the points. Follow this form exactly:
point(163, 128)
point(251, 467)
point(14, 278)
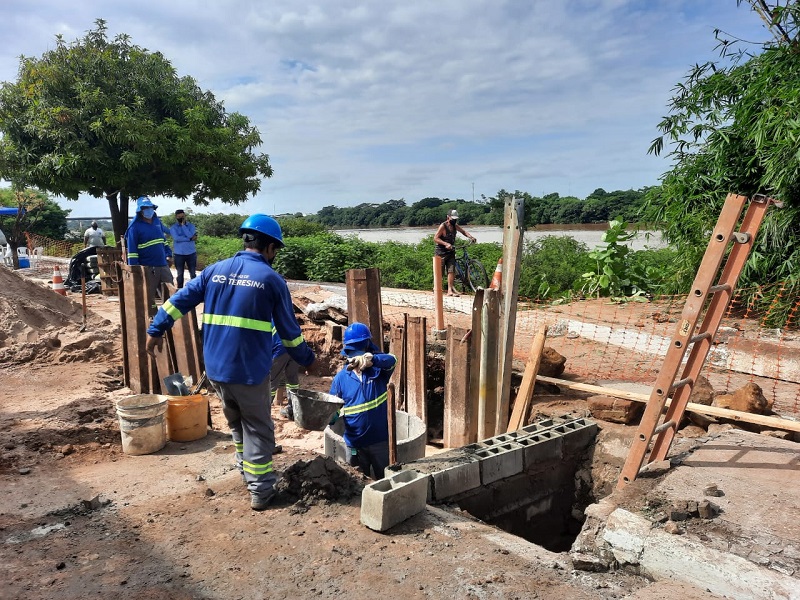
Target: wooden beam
point(488, 384)
point(141, 374)
point(522, 404)
point(186, 345)
point(514, 223)
point(457, 408)
point(474, 364)
point(437, 292)
point(364, 301)
point(702, 409)
point(416, 368)
point(397, 347)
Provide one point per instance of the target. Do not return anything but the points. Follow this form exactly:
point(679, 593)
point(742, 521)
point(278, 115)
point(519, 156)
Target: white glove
point(359, 363)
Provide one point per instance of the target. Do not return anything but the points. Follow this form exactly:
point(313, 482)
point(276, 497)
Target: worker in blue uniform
point(362, 384)
point(147, 246)
point(246, 304)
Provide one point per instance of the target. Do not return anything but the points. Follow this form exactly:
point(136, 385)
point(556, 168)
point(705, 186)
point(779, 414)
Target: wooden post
point(437, 292)
point(474, 365)
point(397, 346)
point(139, 373)
point(390, 415)
point(185, 335)
point(522, 404)
point(416, 369)
point(514, 223)
point(457, 414)
point(364, 301)
point(488, 386)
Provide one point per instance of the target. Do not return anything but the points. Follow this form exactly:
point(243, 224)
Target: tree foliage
point(734, 126)
point(108, 118)
point(36, 214)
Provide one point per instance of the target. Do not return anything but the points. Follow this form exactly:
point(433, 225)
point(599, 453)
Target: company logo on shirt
point(238, 279)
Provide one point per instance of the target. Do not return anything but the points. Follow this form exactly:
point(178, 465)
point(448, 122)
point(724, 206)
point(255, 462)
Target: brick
point(393, 499)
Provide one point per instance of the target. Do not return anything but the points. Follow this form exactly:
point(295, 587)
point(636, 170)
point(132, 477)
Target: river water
point(591, 235)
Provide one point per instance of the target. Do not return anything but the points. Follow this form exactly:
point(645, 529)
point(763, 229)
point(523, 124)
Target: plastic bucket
point(142, 423)
point(313, 410)
point(187, 418)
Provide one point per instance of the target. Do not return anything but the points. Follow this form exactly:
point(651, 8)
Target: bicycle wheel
point(476, 275)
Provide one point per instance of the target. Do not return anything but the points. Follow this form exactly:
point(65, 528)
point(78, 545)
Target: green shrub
point(552, 266)
point(212, 249)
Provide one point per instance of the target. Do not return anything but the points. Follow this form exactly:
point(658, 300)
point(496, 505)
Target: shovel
point(83, 296)
point(176, 386)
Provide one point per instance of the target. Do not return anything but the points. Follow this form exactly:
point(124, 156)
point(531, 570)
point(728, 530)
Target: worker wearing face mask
point(184, 236)
point(147, 246)
point(445, 239)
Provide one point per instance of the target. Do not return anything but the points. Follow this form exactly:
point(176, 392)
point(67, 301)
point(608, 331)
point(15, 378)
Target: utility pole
point(473, 191)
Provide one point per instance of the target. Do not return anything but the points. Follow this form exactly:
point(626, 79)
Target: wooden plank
point(488, 385)
point(390, 416)
point(140, 371)
point(107, 257)
point(416, 368)
point(457, 408)
point(397, 347)
point(364, 301)
point(126, 370)
point(701, 409)
point(185, 343)
point(437, 292)
point(522, 404)
point(474, 365)
point(514, 223)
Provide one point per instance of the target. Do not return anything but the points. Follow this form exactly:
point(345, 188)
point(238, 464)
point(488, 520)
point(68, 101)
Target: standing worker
point(94, 236)
point(148, 247)
point(445, 239)
point(184, 235)
point(246, 304)
point(362, 384)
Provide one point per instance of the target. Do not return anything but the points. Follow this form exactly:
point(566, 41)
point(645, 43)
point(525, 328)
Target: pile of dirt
point(38, 325)
point(322, 479)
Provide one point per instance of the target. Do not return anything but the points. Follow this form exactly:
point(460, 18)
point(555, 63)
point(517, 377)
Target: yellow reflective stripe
point(293, 343)
point(292, 386)
point(242, 322)
point(173, 312)
point(359, 408)
point(257, 468)
point(133, 255)
point(239, 447)
point(152, 243)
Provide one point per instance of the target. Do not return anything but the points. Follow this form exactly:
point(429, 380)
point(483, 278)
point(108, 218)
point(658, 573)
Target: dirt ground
point(81, 519)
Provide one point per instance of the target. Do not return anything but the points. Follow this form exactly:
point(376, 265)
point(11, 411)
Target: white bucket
point(142, 423)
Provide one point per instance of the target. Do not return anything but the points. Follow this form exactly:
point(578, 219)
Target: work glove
point(360, 363)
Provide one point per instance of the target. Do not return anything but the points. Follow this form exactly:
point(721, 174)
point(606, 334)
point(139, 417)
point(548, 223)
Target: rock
point(67, 450)
point(615, 410)
point(713, 491)
point(582, 561)
point(716, 429)
point(749, 398)
point(702, 392)
point(552, 364)
point(776, 433)
point(210, 492)
point(24, 471)
point(707, 509)
point(673, 528)
point(692, 431)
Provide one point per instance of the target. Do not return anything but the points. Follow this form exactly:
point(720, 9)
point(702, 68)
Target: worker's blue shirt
point(182, 235)
point(278, 348)
point(146, 243)
point(364, 411)
point(246, 305)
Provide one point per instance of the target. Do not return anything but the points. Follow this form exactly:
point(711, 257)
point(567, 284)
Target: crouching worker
point(246, 304)
point(362, 384)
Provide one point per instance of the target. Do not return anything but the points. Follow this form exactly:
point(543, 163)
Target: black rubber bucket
point(314, 410)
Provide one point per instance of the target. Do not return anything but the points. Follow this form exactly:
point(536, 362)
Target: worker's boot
point(262, 502)
point(287, 412)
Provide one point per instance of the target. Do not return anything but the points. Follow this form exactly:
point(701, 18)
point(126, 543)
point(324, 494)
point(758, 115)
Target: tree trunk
point(118, 206)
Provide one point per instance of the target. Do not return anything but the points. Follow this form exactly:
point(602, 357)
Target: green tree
point(733, 127)
point(111, 119)
point(36, 214)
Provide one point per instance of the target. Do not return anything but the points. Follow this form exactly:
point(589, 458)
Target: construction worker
point(362, 384)
point(147, 246)
point(94, 236)
point(445, 239)
point(246, 304)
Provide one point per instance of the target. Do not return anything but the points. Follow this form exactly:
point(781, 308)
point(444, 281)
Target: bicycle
point(470, 272)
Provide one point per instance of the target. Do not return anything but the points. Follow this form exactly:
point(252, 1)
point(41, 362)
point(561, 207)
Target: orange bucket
point(187, 418)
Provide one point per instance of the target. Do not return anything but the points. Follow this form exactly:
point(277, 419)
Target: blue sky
point(370, 100)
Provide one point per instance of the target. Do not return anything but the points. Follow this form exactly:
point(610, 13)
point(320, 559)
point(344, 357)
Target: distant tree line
point(599, 207)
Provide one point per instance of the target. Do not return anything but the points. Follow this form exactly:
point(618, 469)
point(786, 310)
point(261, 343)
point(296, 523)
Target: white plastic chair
point(38, 252)
point(7, 255)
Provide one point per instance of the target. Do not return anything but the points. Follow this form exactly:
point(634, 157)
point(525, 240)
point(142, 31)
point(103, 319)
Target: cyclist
point(446, 246)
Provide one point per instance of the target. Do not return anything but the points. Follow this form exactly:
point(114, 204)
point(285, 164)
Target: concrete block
point(393, 499)
point(541, 447)
point(498, 461)
point(450, 473)
point(577, 434)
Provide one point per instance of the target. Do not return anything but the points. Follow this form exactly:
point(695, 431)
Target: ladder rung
point(722, 287)
point(681, 383)
point(663, 427)
point(700, 336)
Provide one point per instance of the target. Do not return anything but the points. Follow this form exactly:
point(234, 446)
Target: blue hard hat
point(144, 202)
point(263, 224)
point(357, 332)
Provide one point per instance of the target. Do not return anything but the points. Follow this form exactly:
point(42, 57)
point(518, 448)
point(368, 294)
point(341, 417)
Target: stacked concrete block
point(577, 434)
point(541, 447)
point(450, 473)
point(393, 499)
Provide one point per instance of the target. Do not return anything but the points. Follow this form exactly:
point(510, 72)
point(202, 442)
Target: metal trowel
point(176, 386)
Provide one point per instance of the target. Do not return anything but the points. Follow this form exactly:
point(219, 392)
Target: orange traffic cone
point(58, 282)
point(497, 278)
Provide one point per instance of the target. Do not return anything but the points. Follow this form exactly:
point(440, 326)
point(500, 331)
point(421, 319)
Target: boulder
point(615, 410)
point(749, 398)
point(552, 364)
